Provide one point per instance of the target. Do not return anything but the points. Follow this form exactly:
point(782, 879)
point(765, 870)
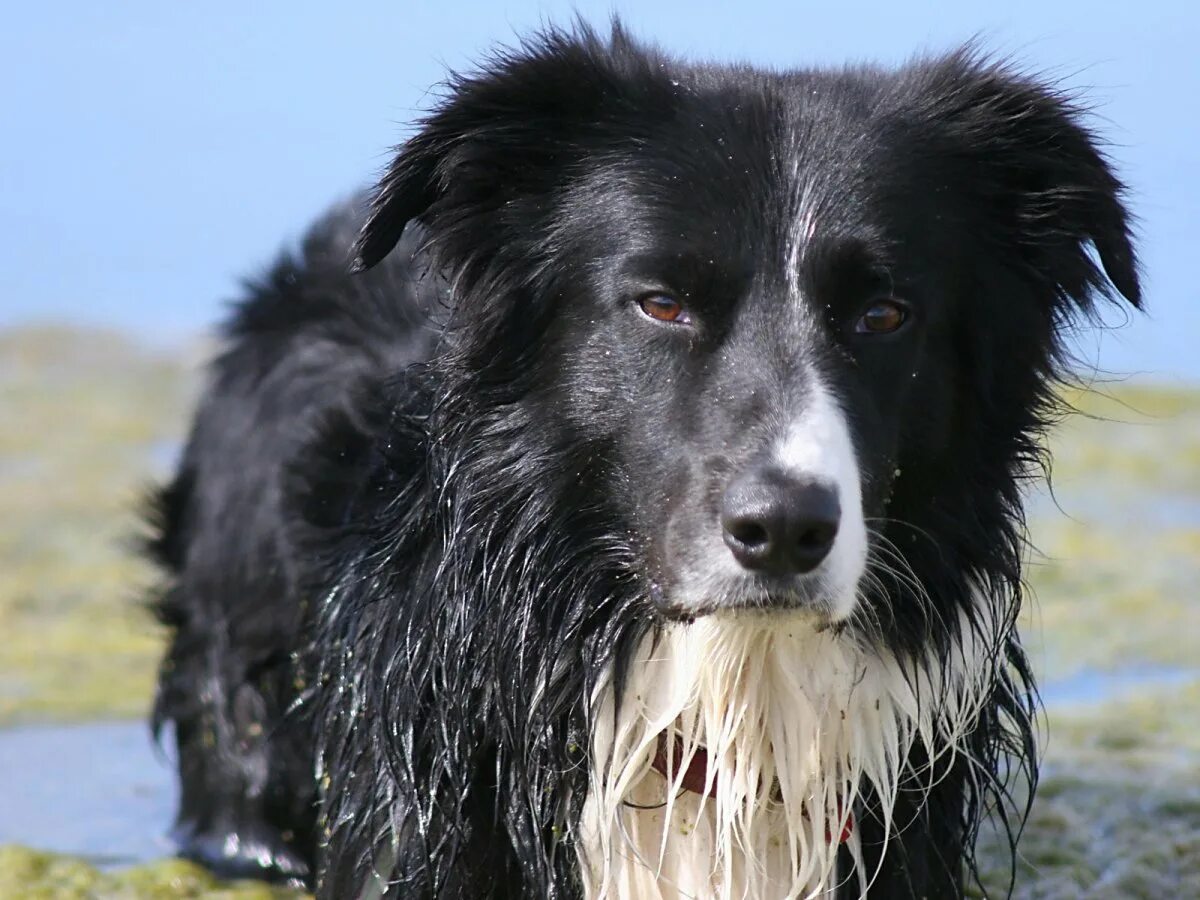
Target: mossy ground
point(35, 875)
point(89, 418)
point(82, 413)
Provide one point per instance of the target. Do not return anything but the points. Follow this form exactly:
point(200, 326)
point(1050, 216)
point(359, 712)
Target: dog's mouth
point(695, 775)
point(751, 596)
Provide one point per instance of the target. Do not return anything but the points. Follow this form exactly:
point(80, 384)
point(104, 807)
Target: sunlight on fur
point(794, 720)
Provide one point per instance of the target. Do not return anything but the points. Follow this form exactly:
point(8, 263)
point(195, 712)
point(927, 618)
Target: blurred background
point(157, 153)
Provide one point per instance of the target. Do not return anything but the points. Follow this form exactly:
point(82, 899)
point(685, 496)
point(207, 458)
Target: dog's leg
point(246, 804)
point(246, 793)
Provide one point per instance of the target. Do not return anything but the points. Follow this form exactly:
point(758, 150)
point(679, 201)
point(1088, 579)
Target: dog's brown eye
point(663, 308)
point(882, 317)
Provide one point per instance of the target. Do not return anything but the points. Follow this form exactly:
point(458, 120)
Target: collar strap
point(695, 779)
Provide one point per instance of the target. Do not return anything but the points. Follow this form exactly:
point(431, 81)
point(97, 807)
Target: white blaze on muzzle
point(817, 446)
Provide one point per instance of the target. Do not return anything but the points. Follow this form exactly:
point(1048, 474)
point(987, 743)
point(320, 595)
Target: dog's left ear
point(1043, 175)
point(498, 147)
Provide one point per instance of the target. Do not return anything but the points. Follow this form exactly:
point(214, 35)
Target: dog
point(642, 516)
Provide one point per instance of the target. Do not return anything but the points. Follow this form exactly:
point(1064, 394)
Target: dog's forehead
point(771, 183)
point(778, 156)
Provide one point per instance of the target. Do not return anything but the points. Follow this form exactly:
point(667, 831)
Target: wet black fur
point(407, 535)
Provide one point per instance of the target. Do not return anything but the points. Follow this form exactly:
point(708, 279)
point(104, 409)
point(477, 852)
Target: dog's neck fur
point(795, 721)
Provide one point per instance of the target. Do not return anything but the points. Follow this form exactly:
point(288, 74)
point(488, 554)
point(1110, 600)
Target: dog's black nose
point(777, 523)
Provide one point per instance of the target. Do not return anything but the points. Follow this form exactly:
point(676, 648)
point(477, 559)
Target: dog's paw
point(246, 852)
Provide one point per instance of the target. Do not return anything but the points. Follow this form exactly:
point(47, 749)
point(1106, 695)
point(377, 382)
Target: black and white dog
point(644, 519)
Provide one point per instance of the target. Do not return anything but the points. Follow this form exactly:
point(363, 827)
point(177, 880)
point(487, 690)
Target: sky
point(155, 153)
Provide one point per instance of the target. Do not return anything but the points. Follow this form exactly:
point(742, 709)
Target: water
point(102, 791)
point(163, 455)
point(1091, 687)
point(105, 792)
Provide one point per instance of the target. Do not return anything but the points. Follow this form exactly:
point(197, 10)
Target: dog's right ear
point(501, 141)
point(406, 191)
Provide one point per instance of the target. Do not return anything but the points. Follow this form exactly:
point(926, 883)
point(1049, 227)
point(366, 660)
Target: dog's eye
point(882, 317)
point(663, 308)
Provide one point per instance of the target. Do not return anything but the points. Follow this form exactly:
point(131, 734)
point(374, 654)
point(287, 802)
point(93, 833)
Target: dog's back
point(301, 355)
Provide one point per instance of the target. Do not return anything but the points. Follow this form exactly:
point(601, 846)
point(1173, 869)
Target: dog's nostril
point(818, 536)
point(749, 534)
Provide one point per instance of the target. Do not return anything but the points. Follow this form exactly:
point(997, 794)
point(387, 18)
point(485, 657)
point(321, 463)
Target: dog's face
point(736, 323)
point(790, 315)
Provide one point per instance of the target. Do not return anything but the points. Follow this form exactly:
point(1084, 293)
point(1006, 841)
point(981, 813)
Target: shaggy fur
point(444, 556)
point(798, 721)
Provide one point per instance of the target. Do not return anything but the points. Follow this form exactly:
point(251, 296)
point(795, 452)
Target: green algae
point(1118, 812)
point(35, 875)
point(80, 410)
point(1115, 586)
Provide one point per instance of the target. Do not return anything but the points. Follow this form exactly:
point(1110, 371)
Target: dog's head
point(802, 321)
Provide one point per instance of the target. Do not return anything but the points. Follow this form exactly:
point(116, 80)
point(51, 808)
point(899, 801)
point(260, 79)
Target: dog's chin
point(805, 599)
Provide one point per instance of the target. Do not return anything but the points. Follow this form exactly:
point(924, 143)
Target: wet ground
point(90, 419)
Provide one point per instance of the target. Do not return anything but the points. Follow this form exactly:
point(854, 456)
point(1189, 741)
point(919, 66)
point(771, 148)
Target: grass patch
point(34, 875)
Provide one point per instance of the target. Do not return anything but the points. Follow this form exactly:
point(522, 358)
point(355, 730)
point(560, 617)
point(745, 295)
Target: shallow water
point(101, 791)
point(162, 455)
point(105, 792)
point(1090, 687)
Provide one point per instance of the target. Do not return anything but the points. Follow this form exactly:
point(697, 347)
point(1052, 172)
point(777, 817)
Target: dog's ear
point(497, 146)
point(1043, 176)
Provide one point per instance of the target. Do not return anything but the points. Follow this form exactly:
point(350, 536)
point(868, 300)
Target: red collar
point(695, 779)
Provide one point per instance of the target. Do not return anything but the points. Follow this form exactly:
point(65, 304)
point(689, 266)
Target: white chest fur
point(794, 721)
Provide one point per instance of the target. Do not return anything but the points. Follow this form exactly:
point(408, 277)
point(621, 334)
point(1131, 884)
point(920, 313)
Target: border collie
point(639, 515)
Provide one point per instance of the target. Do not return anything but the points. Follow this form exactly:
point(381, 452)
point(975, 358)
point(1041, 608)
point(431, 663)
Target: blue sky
point(155, 152)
